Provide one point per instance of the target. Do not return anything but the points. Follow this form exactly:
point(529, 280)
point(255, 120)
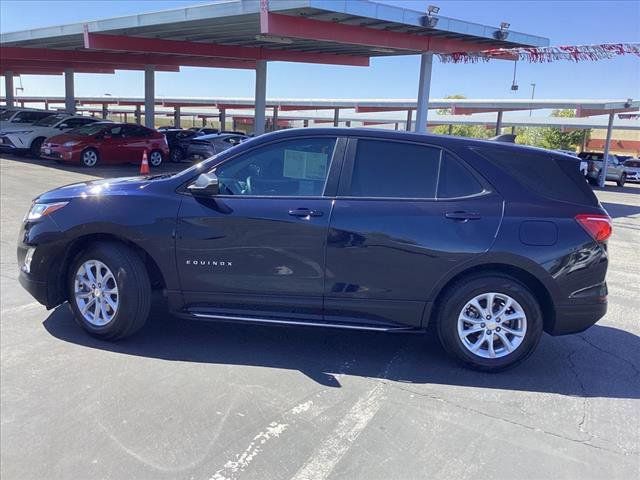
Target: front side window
point(49, 121)
point(29, 117)
point(394, 169)
point(291, 168)
point(78, 122)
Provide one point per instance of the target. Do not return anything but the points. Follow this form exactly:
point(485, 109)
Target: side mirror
point(205, 185)
point(62, 126)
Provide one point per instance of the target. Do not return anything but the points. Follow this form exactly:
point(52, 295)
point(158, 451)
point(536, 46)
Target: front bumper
point(38, 290)
point(59, 153)
point(633, 176)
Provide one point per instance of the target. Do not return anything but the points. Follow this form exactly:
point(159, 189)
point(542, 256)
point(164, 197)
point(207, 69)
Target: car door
point(137, 140)
point(112, 145)
point(406, 214)
point(257, 248)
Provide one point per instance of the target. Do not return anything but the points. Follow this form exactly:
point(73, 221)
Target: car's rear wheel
point(109, 290)
point(155, 158)
point(89, 157)
point(489, 322)
point(622, 181)
point(36, 145)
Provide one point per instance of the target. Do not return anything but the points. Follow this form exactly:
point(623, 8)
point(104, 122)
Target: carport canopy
point(248, 34)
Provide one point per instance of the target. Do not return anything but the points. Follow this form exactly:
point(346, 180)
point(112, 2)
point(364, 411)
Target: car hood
point(97, 188)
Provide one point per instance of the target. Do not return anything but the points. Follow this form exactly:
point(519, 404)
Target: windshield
point(88, 130)
point(7, 114)
point(49, 121)
point(632, 163)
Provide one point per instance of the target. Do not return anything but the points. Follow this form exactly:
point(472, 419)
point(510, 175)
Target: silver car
point(632, 170)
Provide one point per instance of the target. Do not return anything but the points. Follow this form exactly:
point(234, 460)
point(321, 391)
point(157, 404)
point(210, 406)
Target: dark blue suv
point(488, 243)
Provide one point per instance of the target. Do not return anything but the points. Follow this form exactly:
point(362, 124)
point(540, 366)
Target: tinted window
point(90, 129)
point(556, 178)
point(78, 122)
point(289, 168)
point(394, 169)
point(632, 163)
point(456, 180)
point(29, 117)
point(136, 131)
point(49, 121)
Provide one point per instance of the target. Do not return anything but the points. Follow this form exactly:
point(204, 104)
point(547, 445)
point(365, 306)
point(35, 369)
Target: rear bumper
point(577, 318)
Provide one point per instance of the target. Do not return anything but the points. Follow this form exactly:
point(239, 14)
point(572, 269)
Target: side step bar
point(302, 323)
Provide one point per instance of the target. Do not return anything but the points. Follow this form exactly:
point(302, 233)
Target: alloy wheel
point(96, 293)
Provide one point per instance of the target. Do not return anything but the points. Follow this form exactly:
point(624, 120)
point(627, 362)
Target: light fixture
point(273, 39)
point(430, 20)
point(503, 33)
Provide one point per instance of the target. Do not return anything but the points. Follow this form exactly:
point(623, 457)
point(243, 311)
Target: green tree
point(472, 131)
point(553, 137)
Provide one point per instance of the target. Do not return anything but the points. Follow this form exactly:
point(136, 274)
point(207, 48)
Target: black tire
point(134, 290)
point(155, 158)
point(89, 158)
point(623, 179)
point(36, 145)
point(455, 299)
point(175, 155)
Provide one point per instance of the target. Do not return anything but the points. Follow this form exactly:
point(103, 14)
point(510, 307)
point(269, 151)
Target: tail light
point(597, 225)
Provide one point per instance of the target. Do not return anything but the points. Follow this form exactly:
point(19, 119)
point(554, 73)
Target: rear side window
point(555, 178)
point(394, 169)
point(456, 180)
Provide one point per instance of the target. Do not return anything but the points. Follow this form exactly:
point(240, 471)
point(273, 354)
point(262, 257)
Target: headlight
point(70, 143)
point(39, 210)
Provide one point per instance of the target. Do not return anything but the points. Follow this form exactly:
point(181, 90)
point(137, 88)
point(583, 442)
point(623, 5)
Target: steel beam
point(336, 117)
point(127, 44)
point(260, 100)
point(326, 31)
point(605, 160)
point(176, 116)
point(499, 123)
point(69, 95)
point(8, 88)
point(426, 64)
point(275, 119)
point(105, 110)
point(408, 123)
point(149, 96)
point(222, 118)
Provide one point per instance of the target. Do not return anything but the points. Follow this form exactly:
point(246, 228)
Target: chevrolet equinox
point(486, 243)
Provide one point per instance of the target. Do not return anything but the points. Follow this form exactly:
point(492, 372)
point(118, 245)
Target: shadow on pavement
point(106, 171)
point(596, 363)
point(618, 210)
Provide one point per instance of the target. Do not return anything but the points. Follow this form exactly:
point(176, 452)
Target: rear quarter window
point(554, 177)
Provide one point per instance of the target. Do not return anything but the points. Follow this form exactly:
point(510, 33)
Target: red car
point(107, 143)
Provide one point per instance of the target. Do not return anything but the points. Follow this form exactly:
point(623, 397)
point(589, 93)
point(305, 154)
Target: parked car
point(107, 143)
point(346, 228)
point(632, 170)
point(30, 138)
point(205, 146)
point(178, 141)
point(615, 170)
point(204, 130)
point(13, 118)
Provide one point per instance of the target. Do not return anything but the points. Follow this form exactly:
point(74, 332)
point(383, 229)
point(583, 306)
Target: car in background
point(30, 138)
point(615, 170)
point(206, 146)
point(21, 117)
point(632, 169)
point(204, 130)
point(107, 143)
point(178, 141)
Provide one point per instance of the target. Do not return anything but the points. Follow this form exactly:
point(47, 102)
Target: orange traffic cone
point(144, 166)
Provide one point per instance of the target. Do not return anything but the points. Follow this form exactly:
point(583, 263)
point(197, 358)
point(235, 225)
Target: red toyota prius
point(107, 143)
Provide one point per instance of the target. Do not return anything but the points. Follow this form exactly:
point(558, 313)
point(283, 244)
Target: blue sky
point(564, 22)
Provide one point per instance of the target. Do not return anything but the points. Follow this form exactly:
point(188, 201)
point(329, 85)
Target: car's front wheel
point(36, 145)
point(622, 180)
point(109, 290)
point(89, 157)
point(489, 322)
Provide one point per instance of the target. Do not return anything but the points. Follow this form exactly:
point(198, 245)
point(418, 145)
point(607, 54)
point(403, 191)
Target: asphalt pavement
point(192, 400)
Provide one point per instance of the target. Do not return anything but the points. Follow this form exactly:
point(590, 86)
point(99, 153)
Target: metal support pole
point(397, 126)
point(138, 114)
point(584, 140)
point(260, 101)
point(8, 87)
point(499, 123)
point(408, 124)
point(513, 129)
point(605, 160)
point(176, 116)
point(450, 129)
point(46, 104)
point(126, 117)
point(426, 64)
point(305, 123)
point(348, 123)
point(204, 122)
point(336, 117)
point(275, 118)
point(223, 119)
point(69, 97)
point(149, 96)
point(105, 111)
